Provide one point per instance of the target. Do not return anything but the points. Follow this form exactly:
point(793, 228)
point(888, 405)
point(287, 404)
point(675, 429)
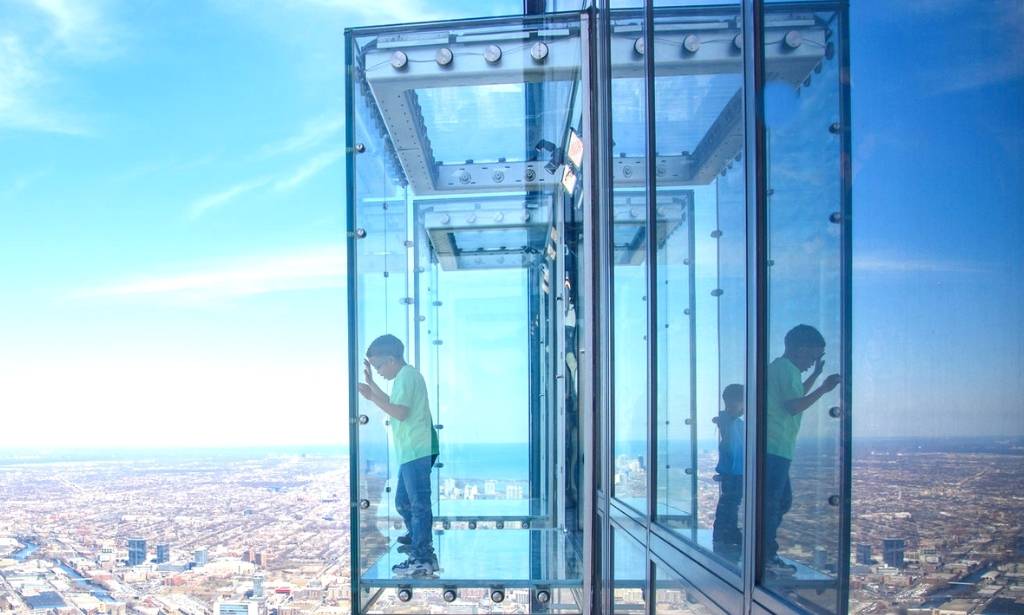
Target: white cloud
point(80, 28)
point(37, 38)
point(210, 201)
point(314, 133)
point(312, 166)
point(306, 270)
point(21, 87)
point(379, 11)
point(882, 264)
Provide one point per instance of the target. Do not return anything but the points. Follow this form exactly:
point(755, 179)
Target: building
point(163, 553)
point(136, 551)
point(257, 586)
point(892, 552)
point(624, 213)
point(864, 554)
point(236, 607)
point(200, 557)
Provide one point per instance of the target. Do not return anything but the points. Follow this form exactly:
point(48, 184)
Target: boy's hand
point(819, 365)
point(366, 391)
point(370, 385)
point(830, 383)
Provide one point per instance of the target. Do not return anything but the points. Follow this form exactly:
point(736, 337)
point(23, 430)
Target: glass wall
point(701, 280)
point(465, 186)
point(938, 274)
point(807, 279)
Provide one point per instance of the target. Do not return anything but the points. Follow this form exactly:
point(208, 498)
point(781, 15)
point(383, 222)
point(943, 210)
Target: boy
point(726, 536)
point(786, 399)
point(412, 430)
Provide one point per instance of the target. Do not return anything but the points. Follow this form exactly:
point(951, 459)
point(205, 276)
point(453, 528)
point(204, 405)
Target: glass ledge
point(481, 510)
point(511, 558)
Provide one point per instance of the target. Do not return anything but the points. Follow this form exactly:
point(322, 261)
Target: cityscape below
point(266, 531)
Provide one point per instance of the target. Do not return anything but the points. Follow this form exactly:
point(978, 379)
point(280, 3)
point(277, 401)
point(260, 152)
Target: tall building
point(629, 214)
point(892, 552)
point(199, 557)
point(257, 586)
point(864, 554)
point(163, 553)
point(136, 551)
point(236, 607)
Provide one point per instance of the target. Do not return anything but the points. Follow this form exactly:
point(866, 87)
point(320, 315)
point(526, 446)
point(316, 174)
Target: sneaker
point(414, 568)
point(404, 548)
point(404, 539)
point(777, 567)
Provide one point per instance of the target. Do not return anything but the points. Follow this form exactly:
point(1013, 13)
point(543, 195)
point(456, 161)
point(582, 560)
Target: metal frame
point(740, 126)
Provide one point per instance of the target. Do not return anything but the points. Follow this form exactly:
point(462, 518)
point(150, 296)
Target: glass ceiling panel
point(487, 122)
point(685, 108)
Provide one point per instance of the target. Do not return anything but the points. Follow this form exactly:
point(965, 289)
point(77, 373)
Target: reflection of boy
point(732, 432)
point(726, 534)
point(786, 398)
point(412, 430)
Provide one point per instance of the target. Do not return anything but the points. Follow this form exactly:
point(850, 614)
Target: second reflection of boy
point(416, 446)
point(726, 535)
point(786, 399)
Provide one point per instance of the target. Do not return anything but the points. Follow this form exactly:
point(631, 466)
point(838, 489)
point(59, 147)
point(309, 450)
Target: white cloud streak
point(217, 199)
point(314, 133)
point(307, 270)
point(308, 170)
point(880, 264)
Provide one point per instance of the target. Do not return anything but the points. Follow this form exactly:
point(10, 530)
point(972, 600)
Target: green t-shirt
point(414, 437)
point(784, 384)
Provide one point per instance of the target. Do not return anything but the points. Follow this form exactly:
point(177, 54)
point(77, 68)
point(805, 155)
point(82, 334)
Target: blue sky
point(172, 218)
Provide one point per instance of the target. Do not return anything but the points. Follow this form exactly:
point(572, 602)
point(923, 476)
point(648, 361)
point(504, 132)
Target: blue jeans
point(726, 529)
point(413, 502)
point(778, 499)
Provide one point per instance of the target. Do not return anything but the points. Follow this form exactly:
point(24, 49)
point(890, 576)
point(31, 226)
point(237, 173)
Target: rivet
point(492, 54)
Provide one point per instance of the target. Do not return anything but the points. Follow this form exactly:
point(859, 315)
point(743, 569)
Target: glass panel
point(701, 279)
point(803, 466)
point(468, 464)
point(629, 582)
point(673, 596)
point(630, 268)
point(938, 367)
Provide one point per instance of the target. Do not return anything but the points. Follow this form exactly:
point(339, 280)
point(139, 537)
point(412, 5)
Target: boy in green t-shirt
point(786, 399)
point(412, 430)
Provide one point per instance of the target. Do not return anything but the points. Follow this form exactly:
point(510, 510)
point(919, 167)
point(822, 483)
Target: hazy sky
point(172, 219)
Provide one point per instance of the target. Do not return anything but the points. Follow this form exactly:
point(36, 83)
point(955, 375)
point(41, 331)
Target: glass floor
point(512, 558)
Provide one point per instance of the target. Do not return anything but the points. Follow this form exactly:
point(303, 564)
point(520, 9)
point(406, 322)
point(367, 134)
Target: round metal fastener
point(499, 525)
point(539, 51)
point(360, 148)
point(498, 595)
point(833, 500)
point(363, 419)
point(835, 217)
point(639, 46)
point(691, 43)
point(543, 596)
point(399, 60)
point(793, 39)
point(405, 595)
point(444, 56)
point(449, 595)
point(492, 54)
point(364, 504)
point(360, 233)
point(835, 412)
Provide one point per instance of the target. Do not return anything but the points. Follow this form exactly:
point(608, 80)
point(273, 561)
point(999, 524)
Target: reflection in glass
point(701, 275)
point(630, 272)
point(803, 464)
point(629, 565)
point(673, 596)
